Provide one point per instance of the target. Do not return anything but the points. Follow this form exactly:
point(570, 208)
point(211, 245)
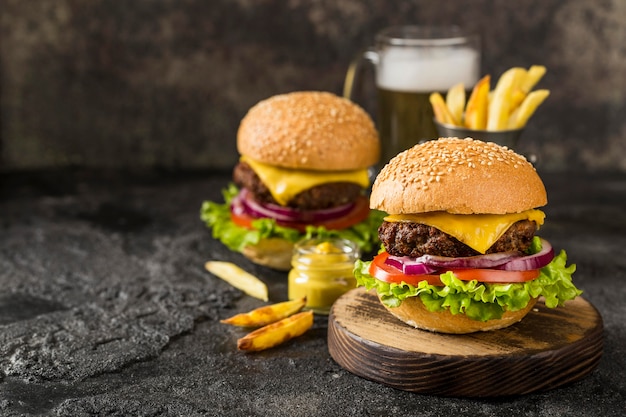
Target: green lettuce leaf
point(477, 300)
point(216, 216)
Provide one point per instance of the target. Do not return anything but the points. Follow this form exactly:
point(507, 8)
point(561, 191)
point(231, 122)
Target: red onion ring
point(409, 266)
point(287, 214)
point(535, 261)
point(236, 206)
point(508, 261)
point(433, 263)
point(490, 260)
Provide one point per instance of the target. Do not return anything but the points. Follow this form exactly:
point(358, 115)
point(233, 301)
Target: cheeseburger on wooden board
point(303, 171)
point(460, 251)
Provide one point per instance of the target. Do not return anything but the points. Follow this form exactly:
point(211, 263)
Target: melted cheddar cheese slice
point(285, 183)
point(478, 231)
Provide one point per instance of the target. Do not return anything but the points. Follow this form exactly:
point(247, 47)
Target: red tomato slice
point(388, 273)
point(359, 213)
point(242, 220)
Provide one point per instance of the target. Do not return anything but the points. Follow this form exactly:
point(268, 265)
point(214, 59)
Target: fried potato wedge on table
point(238, 278)
point(276, 333)
point(265, 315)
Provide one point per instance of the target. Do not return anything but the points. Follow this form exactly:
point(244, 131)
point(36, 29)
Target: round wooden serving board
point(547, 349)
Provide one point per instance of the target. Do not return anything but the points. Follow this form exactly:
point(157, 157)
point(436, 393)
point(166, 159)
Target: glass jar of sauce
point(322, 270)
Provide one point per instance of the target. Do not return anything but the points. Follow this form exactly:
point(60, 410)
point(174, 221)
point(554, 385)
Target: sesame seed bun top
point(459, 176)
point(309, 130)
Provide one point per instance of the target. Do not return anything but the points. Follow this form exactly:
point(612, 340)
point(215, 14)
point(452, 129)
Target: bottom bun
point(275, 253)
point(414, 313)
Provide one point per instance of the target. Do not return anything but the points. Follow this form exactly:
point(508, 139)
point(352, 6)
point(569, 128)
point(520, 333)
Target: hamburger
point(459, 249)
point(303, 172)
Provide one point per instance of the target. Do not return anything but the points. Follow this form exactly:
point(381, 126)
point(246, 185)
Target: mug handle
point(355, 67)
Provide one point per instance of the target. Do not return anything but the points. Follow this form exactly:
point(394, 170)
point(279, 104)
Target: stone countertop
point(105, 308)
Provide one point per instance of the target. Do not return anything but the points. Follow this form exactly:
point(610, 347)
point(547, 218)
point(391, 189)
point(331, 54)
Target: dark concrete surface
point(105, 308)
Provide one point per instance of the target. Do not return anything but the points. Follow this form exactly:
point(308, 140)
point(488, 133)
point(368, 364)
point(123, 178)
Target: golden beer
point(410, 63)
point(404, 119)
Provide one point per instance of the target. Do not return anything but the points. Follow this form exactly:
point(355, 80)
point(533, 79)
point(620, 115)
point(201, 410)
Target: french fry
point(442, 114)
point(517, 97)
point(508, 106)
point(276, 333)
point(455, 101)
point(478, 104)
point(526, 83)
point(265, 315)
point(518, 77)
point(238, 278)
point(520, 116)
point(500, 105)
point(532, 77)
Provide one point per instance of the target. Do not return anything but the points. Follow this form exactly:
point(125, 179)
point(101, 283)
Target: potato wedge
point(265, 315)
point(500, 105)
point(442, 114)
point(238, 278)
point(276, 333)
point(520, 116)
point(478, 105)
point(455, 101)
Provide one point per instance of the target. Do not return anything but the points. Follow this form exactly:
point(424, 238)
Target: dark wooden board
point(547, 349)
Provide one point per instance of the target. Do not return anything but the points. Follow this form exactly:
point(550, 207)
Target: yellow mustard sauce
point(322, 271)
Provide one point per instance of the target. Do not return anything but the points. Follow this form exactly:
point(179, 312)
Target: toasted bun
point(414, 313)
point(460, 176)
point(309, 130)
point(275, 253)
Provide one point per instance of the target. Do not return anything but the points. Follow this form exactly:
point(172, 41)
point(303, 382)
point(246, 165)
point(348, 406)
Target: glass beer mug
point(410, 63)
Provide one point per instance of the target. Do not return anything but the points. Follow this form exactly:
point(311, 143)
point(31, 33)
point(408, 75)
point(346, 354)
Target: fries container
point(508, 138)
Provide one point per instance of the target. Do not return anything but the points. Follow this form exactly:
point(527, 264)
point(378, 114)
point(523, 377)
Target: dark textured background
point(164, 83)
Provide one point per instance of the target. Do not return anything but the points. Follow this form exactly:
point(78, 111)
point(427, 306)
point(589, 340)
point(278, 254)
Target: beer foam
point(412, 70)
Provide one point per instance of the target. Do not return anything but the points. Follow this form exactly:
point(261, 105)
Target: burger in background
point(460, 251)
point(303, 172)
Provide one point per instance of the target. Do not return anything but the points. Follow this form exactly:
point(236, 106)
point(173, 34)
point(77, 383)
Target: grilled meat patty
point(415, 240)
point(316, 198)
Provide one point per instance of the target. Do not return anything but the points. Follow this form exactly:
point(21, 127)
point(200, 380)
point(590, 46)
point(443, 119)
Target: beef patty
point(316, 198)
point(415, 240)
